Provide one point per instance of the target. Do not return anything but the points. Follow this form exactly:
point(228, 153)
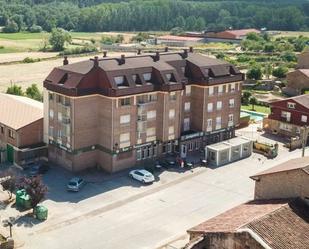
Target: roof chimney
point(139, 51)
point(65, 61)
point(185, 53)
point(104, 53)
point(122, 59)
point(191, 49)
point(157, 56)
point(96, 61)
point(166, 49)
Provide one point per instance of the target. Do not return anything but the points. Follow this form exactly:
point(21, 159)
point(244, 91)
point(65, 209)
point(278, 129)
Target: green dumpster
point(19, 194)
point(41, 212)
point(26, 202)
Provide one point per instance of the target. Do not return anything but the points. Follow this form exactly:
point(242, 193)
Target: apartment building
point(288, 116)
point(114, 113)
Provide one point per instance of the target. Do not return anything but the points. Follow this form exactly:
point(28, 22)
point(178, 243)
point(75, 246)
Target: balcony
point(141, 126)
point(66, 120)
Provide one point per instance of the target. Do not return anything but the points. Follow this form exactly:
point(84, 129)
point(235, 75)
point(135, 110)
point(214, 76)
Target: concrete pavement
point(154, 216)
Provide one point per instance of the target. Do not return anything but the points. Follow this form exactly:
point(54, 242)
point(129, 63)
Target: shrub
point(35, 29)
point(280, 72)
point(79, 50)
point(30, 60)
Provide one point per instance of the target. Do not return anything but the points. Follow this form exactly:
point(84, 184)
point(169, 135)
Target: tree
point(35, 29)
point(10, 27)
point(253, 101)
point(8, 181)
point(254, 73)
point(280, 72)
point(269, 47)
point(268, 70)
point(289, 56)
point(15, 90)
point(141, 36)
point(33, 92)
point(245, 97)
point(58, 38)
point(253, 36)
point(35, 188)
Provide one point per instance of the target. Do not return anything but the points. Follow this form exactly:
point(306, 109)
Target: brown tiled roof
point(297, 163)
point(98, 76)
point(236, 217)
point(242, 32)
point(286, 227)
point(301, 99)
point(281, 224)
point(304, 71)
point(17, 112)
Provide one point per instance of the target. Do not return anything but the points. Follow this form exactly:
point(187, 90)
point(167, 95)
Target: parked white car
point(142, 175)
point(75, 184)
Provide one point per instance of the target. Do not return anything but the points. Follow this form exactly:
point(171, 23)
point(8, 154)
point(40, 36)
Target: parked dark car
point(38, 168)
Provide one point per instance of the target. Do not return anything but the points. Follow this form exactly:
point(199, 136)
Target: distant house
point(288, 116)
point(258, 224)
point(303, 60)
point(298, 80)
point(21, 129)
point(229, 35)
point(286, 180)
point(179, 41)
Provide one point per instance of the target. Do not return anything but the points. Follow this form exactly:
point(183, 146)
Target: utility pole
point(304, 139)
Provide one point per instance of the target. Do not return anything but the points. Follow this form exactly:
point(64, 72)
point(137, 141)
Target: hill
point(107, 15)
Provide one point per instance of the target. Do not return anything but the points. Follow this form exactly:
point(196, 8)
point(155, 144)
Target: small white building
point(228, 151)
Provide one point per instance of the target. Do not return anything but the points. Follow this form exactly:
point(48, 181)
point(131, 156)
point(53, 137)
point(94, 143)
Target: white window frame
point(186, 124)
point(218, 124)
point(51, 113)
point(209, 124)
point(210, 107)
point(220, 89)
point(171, 113)
point(124, 140)
point(188, 90)
point(60, 116)
point(125, 119)
point(291, 105)
point(171, 130)
point(304, 118)
point(231, 103)
point(187, 106)
point(151, 114)
point(219, 105)
point(210, 91)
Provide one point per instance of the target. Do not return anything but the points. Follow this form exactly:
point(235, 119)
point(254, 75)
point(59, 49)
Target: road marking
point(118, 204)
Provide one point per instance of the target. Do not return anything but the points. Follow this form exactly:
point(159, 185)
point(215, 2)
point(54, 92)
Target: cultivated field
point(24, 42)
point(27, 74)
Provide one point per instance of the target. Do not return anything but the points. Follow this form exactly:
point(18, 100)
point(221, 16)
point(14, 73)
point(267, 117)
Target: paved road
point(151, 216)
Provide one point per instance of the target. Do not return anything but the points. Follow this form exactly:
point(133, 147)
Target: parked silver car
point(75, 184)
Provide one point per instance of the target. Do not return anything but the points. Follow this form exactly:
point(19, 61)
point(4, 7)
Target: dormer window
point(136, 80)
point(169, 76)
point(63, 79)
point(147, 77)
point(291, 105)
point(121, 81)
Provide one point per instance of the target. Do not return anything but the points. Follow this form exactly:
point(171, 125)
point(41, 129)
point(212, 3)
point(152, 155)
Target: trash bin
point(26, 202)
point(41, 212)
point(19, 194)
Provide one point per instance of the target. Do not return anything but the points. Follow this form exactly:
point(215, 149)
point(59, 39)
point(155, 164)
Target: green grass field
point(257, 108)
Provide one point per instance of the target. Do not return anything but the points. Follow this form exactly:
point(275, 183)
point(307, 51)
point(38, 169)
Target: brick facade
point(88, 130)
